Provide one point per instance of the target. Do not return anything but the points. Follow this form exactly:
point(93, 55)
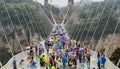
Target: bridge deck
point(26, 64)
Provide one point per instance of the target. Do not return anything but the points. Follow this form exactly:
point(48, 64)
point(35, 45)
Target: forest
point(21, 18)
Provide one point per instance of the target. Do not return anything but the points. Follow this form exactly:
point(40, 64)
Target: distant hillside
point(89, 14)
point(26, 19)
point(89, 21)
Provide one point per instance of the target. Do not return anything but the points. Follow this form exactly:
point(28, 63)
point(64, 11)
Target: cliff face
point(84, 15)
point(33, 21)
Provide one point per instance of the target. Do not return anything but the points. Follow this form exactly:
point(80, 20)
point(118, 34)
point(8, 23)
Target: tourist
point(99, 63)
point(103, 60)
point(88, 55)
point(64, 60)
point(14, 63)
point(70, 62)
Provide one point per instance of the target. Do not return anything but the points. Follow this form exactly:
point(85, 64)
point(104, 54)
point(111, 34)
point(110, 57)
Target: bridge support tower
point(46, 4)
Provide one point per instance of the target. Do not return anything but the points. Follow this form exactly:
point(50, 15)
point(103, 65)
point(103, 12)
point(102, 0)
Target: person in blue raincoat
point(60, 44)
point(64, 60)
point(99, 63)
point(103, 60)
point(14, 63)
point(54, 46)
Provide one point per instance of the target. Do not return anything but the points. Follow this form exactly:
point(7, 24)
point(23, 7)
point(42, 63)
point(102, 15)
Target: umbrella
point(27, 48)
point(81, 49)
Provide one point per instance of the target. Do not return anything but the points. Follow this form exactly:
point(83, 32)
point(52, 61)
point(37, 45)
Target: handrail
point(108, 65)
point(18, 57)
point(118, 62)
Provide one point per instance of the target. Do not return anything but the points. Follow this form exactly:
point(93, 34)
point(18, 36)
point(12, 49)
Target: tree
point(115, 56)
point(4, 54)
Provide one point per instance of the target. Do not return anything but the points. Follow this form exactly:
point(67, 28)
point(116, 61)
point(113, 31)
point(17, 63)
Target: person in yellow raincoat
point(66, 47)
point(70, 62)
point(43, 60)
point(47, 62)
point(59, 64)
point(41, 56)
point(56, 40)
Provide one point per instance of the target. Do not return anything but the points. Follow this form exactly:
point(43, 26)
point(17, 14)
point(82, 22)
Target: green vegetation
point(4, 58)
point(92, 14)
point(115, 56)
point(22, 12)
point(88, 15)
point(34, 18)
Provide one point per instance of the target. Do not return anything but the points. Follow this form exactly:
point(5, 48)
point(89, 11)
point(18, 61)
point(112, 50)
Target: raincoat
point(103, 60)
point(64, 59)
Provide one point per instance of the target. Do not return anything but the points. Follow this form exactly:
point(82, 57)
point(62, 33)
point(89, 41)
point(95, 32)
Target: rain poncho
point(60, 44)
point(54, 46)
point(14, 62)
point(99, 62)
point(41, 48)
point(70, 62)
point(58, 60)
point(103, 60)
point(66, 48)
point(46, 61)
point(80, 56)
point(64, 59)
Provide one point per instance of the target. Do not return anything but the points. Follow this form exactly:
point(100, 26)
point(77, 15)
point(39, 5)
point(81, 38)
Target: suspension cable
point(106, 23)
point(86, 23)
point(6, 38)
point(76, 33)
point(63, 22)
point(28, 27)
point(20, 23)
point(33, 17)
point(39, 19)
point(12, 25)
point(70, 17)
point(78, 30)
point(41, 27)
point(113, 35)
point(74, 11)
point(52, 13)
point(26, 11)
point(98, 23)
point(43, 13)
point(92, 22)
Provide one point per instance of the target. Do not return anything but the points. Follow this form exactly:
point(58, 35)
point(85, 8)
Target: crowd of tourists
point(61, 52)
